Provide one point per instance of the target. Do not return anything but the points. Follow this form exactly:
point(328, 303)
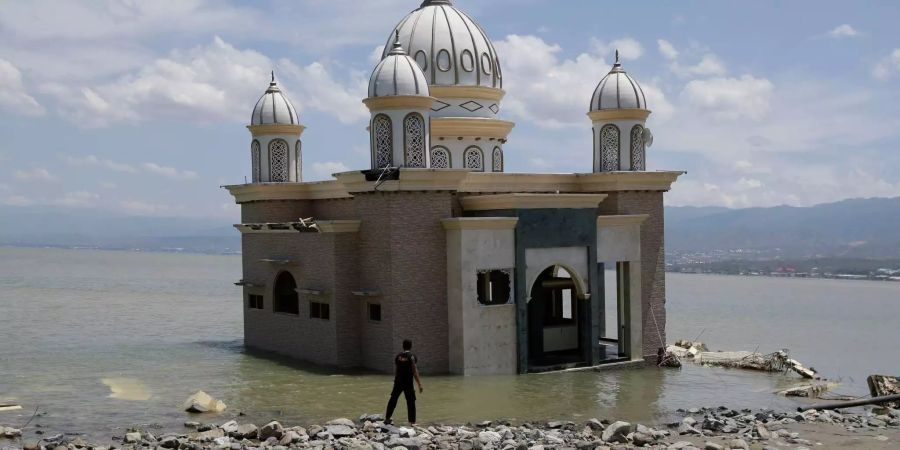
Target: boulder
point(271, 429)
point(229, 427)
point(133, 437)
point(339, 431)
point(713, 446)
point(739, 444)
point(595, 425)
point(489, 437)
point(341, 421)
point(641, 439)
point(246, 431)
point(616, 432)
point(202, 402)
point(206, 436)
point(170, 442)
point(223, 441)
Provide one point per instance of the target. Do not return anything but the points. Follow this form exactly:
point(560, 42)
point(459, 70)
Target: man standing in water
point(405, 371)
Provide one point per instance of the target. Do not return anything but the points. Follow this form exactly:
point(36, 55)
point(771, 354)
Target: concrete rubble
point(719, 428)
point(881, 385)
point(202, 402)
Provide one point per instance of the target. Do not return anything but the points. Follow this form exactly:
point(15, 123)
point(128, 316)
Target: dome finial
point(273, 77)
point(617, 57)
point(435, 2)
point(398, 48)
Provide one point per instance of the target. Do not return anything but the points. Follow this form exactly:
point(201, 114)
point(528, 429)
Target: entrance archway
point(555, 319)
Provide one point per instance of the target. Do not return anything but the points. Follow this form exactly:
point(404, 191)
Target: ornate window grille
point(440, 158)
point(638, 149)
point(254, 161)
point(279, 168)
point(473, 159)
point(609, 148)
point(382, 141)
point(498, 160)
point(414, 138)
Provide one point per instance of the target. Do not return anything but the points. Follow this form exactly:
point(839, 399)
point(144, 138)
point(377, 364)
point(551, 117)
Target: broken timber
point(882, 385)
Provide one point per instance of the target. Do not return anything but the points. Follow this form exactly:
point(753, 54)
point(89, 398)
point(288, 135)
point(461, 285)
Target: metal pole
point(867, 401)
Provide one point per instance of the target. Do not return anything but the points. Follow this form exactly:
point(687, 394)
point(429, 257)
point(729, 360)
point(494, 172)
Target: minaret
point(619, 113)
point(401, 111)
point(275, 152)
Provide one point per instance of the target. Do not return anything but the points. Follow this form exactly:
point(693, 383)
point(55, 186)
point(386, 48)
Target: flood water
point(100, 341)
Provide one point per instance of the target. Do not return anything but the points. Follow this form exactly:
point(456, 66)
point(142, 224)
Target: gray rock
point(223, 441)
point(246, 431)
point(133, 437)
point(340, 430)
point(616, 432)
point(763, 432)
point(684, 429)
point(289, 437)
point(595, 425)
point(207, 436)
point(641, 439)
point(229, 427)
point(466, 445)
point(191, 424)
point(739, 444)
point(536, 447)
point(555, 424)
point(713, 446)
point(11, 432)
point(873, 422)
point(489, 437)
point(689, 420)
point(271, 429)
point(170, 442)
point(342, 421)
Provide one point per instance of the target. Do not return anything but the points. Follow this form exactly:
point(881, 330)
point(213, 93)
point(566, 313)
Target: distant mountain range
point(858, 228)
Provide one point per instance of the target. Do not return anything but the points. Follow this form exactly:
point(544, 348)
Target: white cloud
point(318, 89)
point(888, 66)
point(92, 160)
point(4, 187)
point(709, 65)
point(108, 185)
point(141, 208)
point(13, 96)
point(16, 200)
point(746, 97)
point(324, 170)
point(38, 174)
point(842, 31)
point(77, 199)
point(169, 172)
point(667, 49)
point(629, 48)
point(375, 56)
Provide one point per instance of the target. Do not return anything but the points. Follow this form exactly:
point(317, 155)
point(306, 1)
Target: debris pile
point(883, 385)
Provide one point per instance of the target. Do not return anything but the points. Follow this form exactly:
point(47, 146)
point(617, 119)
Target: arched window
point(609, 148)
point(299, 148)
point(382, 142)
point(440, 158)
point(414, 140)
point(638, 161)
point(497, 160)
point(254, 161)
point(473, 159)
point(285, 298)
point(279, 169)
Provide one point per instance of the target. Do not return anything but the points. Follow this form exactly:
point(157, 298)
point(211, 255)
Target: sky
point(141, 107)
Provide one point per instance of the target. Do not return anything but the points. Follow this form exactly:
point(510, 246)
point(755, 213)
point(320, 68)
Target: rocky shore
point(710, 429)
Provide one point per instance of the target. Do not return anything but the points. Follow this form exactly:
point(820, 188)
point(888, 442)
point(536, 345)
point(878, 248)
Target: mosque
point(488, 272)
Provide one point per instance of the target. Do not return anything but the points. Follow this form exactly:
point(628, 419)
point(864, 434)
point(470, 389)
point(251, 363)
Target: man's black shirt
point(404, 362)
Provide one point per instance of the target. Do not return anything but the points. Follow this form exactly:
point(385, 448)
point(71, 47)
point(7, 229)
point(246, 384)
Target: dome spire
point(436, 2)
point(273, 77)
point(397, 49)
point(617, 58)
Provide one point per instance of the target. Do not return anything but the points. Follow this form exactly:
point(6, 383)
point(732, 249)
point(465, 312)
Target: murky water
point(100, 341)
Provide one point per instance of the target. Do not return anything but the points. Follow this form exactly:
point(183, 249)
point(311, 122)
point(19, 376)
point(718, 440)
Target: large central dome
point(449, 47)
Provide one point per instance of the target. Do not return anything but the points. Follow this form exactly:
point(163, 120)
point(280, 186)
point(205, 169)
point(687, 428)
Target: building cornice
point(322, 190)
point(475, 92)
point(457, 180)
point(619, 221)
point(531, 201)
point(480, 223)
point(260, 130)
point(470, 127)
point(318, 226)
point(399, 102)
point(605, 115)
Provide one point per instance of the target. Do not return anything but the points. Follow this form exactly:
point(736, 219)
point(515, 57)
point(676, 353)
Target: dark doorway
point(554, 318)
point(285, 298)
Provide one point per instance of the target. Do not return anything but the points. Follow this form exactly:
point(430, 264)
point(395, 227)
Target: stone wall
point(276, 211)
point(653, 263)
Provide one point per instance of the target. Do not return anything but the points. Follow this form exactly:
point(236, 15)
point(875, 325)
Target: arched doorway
point(284, 296)
point(555, 317)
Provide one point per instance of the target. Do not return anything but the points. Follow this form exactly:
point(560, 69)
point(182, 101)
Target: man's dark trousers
point(409, 392)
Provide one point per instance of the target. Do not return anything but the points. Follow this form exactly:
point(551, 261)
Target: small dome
point(274, 108)
point(397, 74)
point(617, 90)
point(449, 47)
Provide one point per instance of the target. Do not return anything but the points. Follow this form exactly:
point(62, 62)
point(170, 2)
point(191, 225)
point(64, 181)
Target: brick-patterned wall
point(340, 209)
point(653, 262)
point(347, 307)
point(300, 336)
point(375, 248)
point(275, 211)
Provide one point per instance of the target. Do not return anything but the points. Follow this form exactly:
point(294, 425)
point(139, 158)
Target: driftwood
point(882, 385)
point(869, 401)
point(809, 390)
point(773, 362)
point(10, 407)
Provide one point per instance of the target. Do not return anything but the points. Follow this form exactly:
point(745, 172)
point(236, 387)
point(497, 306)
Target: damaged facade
point(487, 272)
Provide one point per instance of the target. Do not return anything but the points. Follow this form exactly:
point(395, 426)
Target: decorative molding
point(317, 292)
point(260, 130)
point(480, 223)
point(338, 226)
point(470, 126)
point(409, 180)
point(531, 201)
point(627, 181)
point(479, 92)
point(365, 293)
point(399, 102)
point(605, 115)
point(620, 221)
point(319, 190)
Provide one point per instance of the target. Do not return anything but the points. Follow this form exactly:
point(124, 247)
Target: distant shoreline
point(840, 277)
